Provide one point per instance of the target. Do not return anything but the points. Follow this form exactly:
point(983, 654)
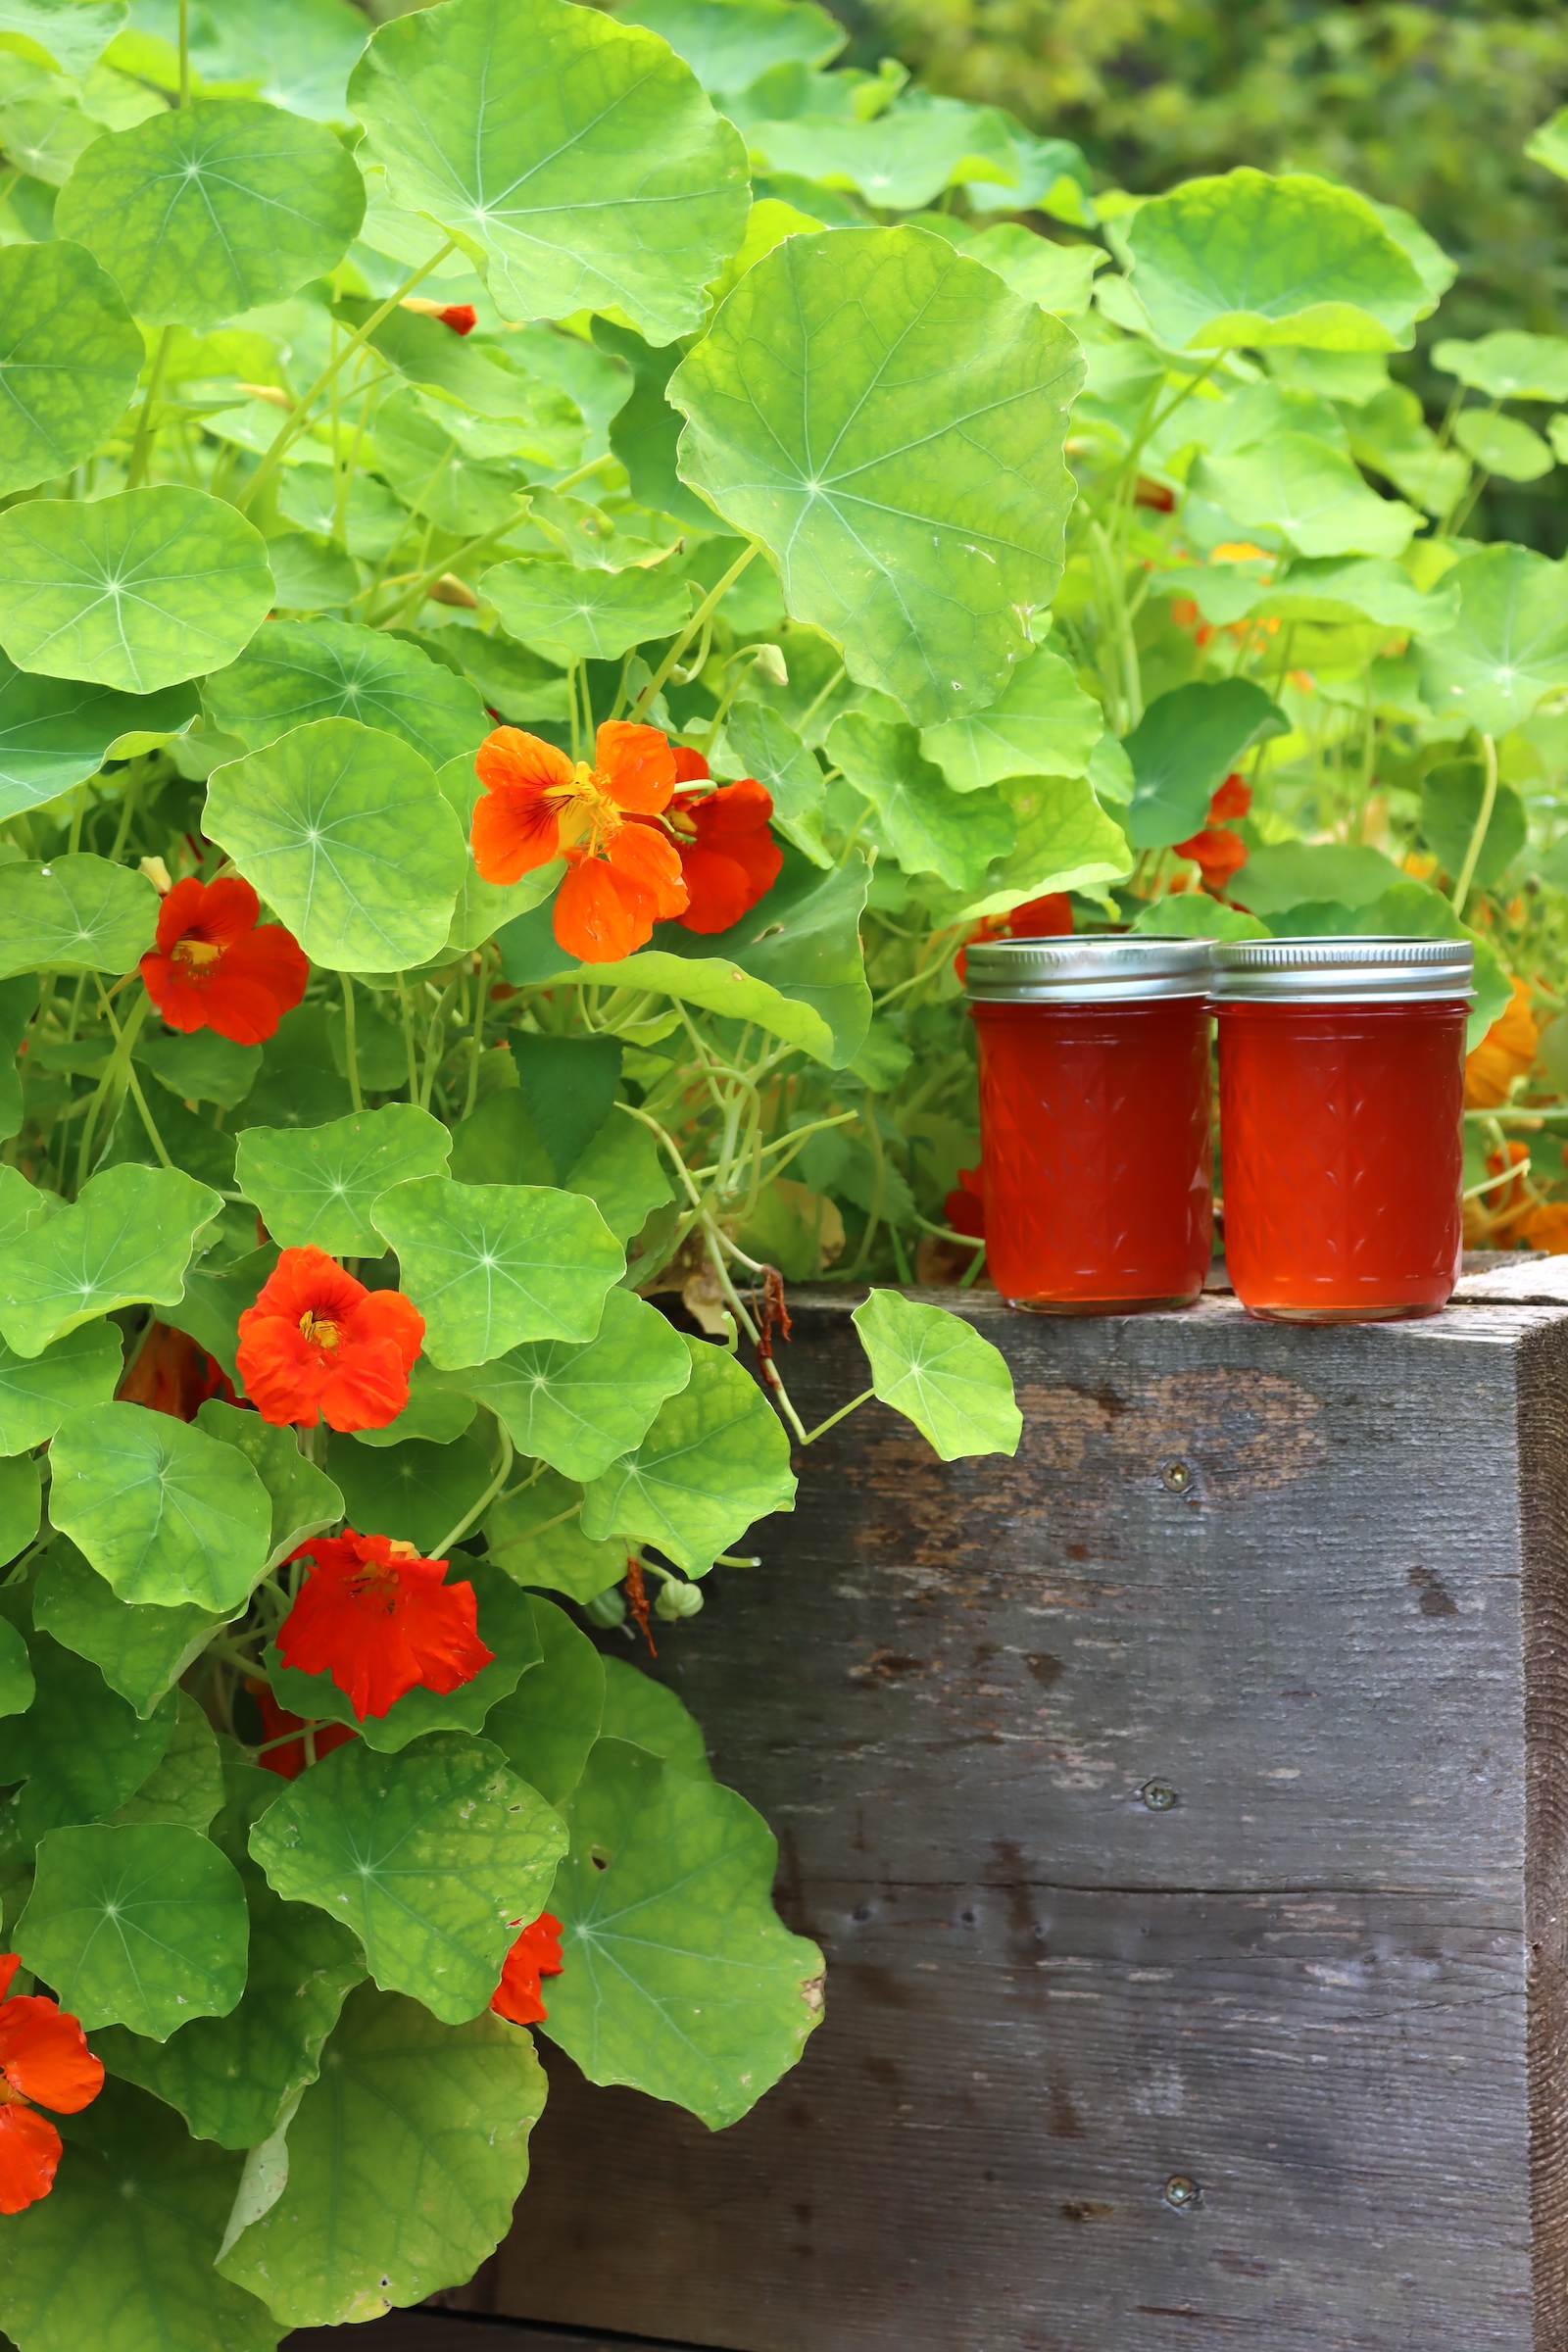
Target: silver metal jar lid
point(1086, 969)
point(1307, 971)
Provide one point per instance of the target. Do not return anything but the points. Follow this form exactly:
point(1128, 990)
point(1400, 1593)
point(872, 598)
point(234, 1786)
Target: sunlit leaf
point(1502, 445)
point(1332, 589)
point(760, 743)
point(888, 419)
point(917, 820)
point(404, 2163)
point(213, 208)
point(1044, 724)
point(1508, 365)
point(72, 34)
point(1509, 645)
point(576, 156)
point(142, 1925)
point(716, 1459)
point(164, 1512)
point(318, 1184)
point(70, 356)
point(430, 1861)
point(580, 1407)
point(295, 671)
point(678, 1979)
point(728, 43)
point(79, 914)
point(1066, 840)
point(489, 1265)
point(1313, 493)
point(651, 1716)
point(344, 832)
point(125, 1241)
point(899, 161)
point(937, 1370)
point(571, 613)
point(1253, 258)
point(139, 590)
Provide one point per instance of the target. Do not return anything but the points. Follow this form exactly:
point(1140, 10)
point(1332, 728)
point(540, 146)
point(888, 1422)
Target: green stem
point(141, 449)
point(295, 423)
point(476, 1046)
point(810, 1438)
point(878, 1193)
point(184, 52)
point(456, 1533)
point(350, 1043)
point(1472, 855)
point(698, 621)
point(134, 1083)
point(416, 596)
point(119, 1064)
point(408, 1039)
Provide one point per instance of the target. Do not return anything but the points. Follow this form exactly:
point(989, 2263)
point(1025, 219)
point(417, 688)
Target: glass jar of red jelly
point(1095, 1141)
point(1342, 1090)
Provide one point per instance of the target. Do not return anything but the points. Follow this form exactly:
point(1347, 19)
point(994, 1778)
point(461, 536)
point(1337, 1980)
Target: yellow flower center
point(196, 955)
point(319, 1330)
point(588, 813)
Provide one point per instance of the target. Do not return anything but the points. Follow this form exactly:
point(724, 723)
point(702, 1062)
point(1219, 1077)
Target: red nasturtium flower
point(1047, 917)
point(171, 1375)
point(318, 1345)
point(964, 1208)
point(535, 1954)
point(728, 856)
point(460, 316)
point(380, 1621)
point(215, 967)
point(622, 876)
point(43, 2057)
point(1216, 850)
point(278, 1752)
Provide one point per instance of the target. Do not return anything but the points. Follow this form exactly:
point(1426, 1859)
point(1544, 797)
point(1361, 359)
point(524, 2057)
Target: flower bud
point(606, 1609)
point(767, 662)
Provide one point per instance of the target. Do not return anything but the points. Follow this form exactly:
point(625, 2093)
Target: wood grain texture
point(1336, 1634)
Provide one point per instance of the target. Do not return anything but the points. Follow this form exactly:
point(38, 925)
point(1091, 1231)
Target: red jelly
point(1341, 1087)
point(1095, 1120)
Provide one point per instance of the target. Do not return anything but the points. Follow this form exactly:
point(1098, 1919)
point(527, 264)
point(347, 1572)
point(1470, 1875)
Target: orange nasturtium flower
point(318, 1345)
point(1217, 853)
point(214, 966)
point(1504, 1054)
point(535, 1954)
point(728, 856)
point(280, 1754)
point(622, 877)
point(380, 1621)
point(171, 1375)
point(43, 2057)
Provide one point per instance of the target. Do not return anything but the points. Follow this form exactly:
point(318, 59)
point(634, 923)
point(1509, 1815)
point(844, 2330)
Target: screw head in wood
point(1176, 1475)
point(1181, 2192)
point(1158, 1795)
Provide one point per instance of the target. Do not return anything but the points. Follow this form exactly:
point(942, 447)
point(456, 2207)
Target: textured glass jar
point(1342, 1090)
point(1095, 1120)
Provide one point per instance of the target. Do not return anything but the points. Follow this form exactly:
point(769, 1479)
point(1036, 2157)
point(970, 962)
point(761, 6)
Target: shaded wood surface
point(1311, 1583)
point(426, 2331)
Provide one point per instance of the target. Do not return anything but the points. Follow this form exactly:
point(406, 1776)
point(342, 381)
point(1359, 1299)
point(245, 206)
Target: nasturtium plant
point(545, 599)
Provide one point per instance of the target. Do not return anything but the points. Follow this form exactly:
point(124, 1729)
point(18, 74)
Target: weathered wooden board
point(1309, 1582)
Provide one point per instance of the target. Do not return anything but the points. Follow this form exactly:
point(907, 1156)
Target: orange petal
point(639, 763)
point(514, 831)
point(525, 762)
point(649, 859)
point(600, 916)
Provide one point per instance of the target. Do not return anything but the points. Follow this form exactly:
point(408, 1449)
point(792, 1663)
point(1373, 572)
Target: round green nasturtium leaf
point(36, 1393)
point(548, 1726)
point(728, 43)
point(594, 614)
point(138, 591)
point(125, 1241)
point(715, 1460)
point(404, 2159)
point(232, 2077)
point(69, 1778)
point(294, 671)
point(17, 1684)
point(1251, 259)
point(506, 1628)
point(20, 1504)
point(1183, 748)
point(1066, 840)
point(651, 1716)
point(310, 573)
point(900, 160)
point(140, 1652)
point(69, 357)
point(758, 742)
point(436, 1414)
point(536, 1535)
point(430, 1861)
point(575, 157)
point(417, 1491)
point(301, 1499)
point(301, 52)
point(56, 732)
point(1452, 795)
point(215, 208)
point(937, 1371)
point(1502, 445)
point(1315, 493)
point(1042, 724)
point(679, 1978)
point(78, 913)
point(318, 1184)
point(579, 1408)
point(490, 1265)
point(141, 1925)
point(122, 2249)
point(343, 830)
point(72, 34)
point(186, 1784)
point(915, 819)
point(201, 1068)
point(1508, 365)
point(164, 1512)
point(1509, 645)
point(888, 419)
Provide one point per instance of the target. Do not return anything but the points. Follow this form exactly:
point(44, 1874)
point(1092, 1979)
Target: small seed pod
point(677, 1601)
point(606, 1609)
